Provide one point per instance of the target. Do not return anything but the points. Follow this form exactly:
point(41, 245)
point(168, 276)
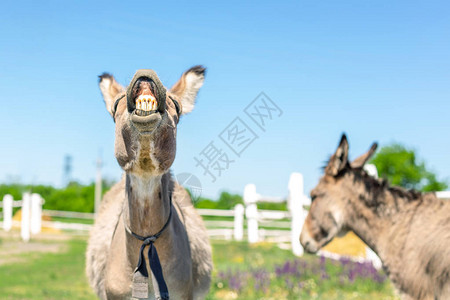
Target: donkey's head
point(146, 117)
point(329, 213)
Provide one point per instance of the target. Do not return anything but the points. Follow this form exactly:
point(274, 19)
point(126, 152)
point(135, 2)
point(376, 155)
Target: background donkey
point(146, 198)
point(410, 231)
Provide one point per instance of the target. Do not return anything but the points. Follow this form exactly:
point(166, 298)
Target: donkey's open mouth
point(146, 99)
point(146, 105)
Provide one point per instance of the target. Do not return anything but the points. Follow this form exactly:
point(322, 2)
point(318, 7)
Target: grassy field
point(54, 269)
point(56, 272)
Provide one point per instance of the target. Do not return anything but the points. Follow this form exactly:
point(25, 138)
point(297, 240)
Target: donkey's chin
point(309, 244)
point(310, 248)
point(146, 123)
point(314, 246)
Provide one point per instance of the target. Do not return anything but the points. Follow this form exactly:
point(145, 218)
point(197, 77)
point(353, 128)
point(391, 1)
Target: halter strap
point(115, 106)
point(140, 287)
point(154, 236)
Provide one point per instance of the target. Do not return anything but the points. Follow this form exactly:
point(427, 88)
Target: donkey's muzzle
point(146, 98)
point(308, 243)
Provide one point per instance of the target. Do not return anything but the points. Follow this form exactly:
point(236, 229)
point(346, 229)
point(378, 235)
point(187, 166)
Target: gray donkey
point(410, 231)
point(147, 212)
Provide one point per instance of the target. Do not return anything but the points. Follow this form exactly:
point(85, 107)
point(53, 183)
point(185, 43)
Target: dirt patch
point(14, 250)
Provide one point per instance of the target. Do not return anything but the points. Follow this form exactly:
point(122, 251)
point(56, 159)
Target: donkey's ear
point(187, 87)
point(339, 159)
point(360, 161)
point(110, 89)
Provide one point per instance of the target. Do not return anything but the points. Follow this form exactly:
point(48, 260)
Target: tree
point(73, 197)
point(401, 167)
point(228, 201)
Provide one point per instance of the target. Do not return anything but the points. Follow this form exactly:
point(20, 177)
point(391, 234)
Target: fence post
point(7, 212)
point(251, 212)
point(371, 169)
point(298, 214)
point(36, 213)
point(373, 257)
point(239, 222)
point(25, 224)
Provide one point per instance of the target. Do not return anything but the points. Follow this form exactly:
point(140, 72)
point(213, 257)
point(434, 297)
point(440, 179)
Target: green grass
point(47, 275)
point(61, 275)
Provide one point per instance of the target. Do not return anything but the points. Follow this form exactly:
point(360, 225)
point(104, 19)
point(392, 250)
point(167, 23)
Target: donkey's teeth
point(146, 103)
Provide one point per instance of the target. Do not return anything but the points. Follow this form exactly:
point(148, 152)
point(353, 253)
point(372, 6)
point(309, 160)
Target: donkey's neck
point(381, 216)
point(147, 204)
point(367, 225)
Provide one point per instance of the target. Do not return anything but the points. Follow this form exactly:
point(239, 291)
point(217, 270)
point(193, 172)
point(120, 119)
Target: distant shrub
point(225, 201)
point(228, 201)
point(14, 190)
point(272, 206)
point(74, 197)
point(206, 203)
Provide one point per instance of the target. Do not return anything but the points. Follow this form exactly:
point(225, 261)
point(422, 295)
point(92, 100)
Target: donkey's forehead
point(326, 182)
point(327, 179)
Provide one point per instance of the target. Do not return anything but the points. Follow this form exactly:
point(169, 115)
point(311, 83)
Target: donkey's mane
point(377, 186)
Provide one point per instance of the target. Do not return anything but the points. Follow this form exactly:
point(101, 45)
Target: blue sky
point(376, 70)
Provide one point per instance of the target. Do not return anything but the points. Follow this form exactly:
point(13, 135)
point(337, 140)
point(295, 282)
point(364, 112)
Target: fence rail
point(68, 214)
point(66, 226)
point(215, 212)
point(273, 214)
point(17, 203)
point(215, 224)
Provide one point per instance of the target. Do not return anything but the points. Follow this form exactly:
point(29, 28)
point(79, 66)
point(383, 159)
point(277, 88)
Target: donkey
point(409, 230)
point(147, 209)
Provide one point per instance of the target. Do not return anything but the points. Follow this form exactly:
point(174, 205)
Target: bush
point(206, 203)
point(273, 206)
point(74, 197)
point(229, 201)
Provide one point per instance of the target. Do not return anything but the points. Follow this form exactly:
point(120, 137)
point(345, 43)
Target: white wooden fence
point(32, 223)
point(281, 227)
point(31, 220)
point(278, 226)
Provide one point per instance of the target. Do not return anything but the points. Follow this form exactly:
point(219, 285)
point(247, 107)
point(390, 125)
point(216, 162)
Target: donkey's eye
point(315, 196)
point(323, 232)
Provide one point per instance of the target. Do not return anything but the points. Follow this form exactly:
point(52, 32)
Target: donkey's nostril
point(143, 86)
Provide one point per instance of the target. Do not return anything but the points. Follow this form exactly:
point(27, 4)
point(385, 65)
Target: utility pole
point(67, 170)
point(98, 185)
